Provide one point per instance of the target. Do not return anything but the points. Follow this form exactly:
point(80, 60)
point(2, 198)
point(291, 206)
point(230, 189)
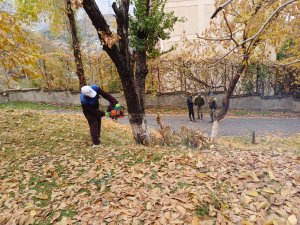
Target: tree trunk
point(140, 74)
point(75, 44)
point(45, 73)
point(226, 100)
point(137, 116)
point(215, 129)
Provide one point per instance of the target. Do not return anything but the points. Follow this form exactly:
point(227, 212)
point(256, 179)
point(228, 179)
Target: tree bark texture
point(75, 44)
point(141, 73)
point(215, 129)
point(122, 59)
point(228, 93)
point(226, 101)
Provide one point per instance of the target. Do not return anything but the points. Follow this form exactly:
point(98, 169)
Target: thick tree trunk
point(226, 101)
point(137, 117)
point(215, 129)
point(140, 76)
point(75, 44)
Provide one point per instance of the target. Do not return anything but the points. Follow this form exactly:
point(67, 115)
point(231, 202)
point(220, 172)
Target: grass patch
point(183, 185)
point(67, 213)
point(154, 175)
point(103, 180)
point(202, 210)
point(36, 106)
point(43, 187)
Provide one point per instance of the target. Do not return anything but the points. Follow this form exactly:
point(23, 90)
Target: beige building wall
point(197, 14)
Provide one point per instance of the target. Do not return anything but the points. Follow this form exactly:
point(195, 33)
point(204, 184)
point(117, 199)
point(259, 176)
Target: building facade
point(197, 15)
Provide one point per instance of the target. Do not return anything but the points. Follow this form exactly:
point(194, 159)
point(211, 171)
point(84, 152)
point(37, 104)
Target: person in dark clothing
point(199, 102)
point(190, 105)
point(212, 103)
point(89, 99)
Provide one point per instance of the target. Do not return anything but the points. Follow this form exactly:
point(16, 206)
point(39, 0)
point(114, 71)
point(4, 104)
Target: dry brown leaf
point(32, 213)
point(42, 196)
point(254, 177)
point(65, 221)
point(246, 222)
point(252, 193)
point(269, 222)
point(285, 192)
point(247, 199)
point(181, 210)
point(55, 216)
point(201, 175)
point(292, 220)
point(148, 206)
point(262, 205)
point(196, 220)
point(269, 190)
point(271, 174)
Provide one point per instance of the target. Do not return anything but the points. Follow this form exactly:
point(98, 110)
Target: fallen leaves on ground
point(49, 175)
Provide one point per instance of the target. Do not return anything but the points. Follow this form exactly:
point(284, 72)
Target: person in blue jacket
point(89, 99)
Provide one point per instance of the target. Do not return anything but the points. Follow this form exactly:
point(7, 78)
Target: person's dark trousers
point(213, 115)
point(94, 120)
point(191, 112)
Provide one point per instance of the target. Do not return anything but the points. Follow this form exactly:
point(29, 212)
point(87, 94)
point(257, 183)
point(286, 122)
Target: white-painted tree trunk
point(215, 129)
point(140, 132)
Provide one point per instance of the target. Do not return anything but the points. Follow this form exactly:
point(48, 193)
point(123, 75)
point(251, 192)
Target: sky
point(105, 6)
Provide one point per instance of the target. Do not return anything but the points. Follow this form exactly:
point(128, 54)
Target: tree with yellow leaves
point(61, 16)
point(246, 32)
point(17, 51)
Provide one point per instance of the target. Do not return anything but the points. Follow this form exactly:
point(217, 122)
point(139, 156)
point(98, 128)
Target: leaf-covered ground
point(50, 175)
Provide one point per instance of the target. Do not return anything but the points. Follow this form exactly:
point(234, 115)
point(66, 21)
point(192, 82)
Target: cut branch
point(101, 26)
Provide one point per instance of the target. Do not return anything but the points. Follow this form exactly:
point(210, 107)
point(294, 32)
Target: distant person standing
point(199, 102)
point(190, 105)
point(212, 103)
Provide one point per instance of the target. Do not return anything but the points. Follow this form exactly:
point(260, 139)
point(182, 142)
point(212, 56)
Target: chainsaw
point(115, 112)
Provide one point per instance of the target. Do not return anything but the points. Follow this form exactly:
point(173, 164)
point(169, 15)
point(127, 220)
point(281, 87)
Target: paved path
point(232, 126)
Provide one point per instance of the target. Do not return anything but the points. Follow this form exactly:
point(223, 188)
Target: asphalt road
point(232, 126)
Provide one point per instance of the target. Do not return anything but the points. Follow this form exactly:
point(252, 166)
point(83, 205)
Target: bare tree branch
point(230, 30)
point(220, 8)
point(218, 39)
point(263, 27)
point(286, 64)
point(193, 77)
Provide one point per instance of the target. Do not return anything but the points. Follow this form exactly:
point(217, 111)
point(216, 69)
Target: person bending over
point(89, 99)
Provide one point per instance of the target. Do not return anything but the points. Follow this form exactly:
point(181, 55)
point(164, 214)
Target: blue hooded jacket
point(93, 103)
